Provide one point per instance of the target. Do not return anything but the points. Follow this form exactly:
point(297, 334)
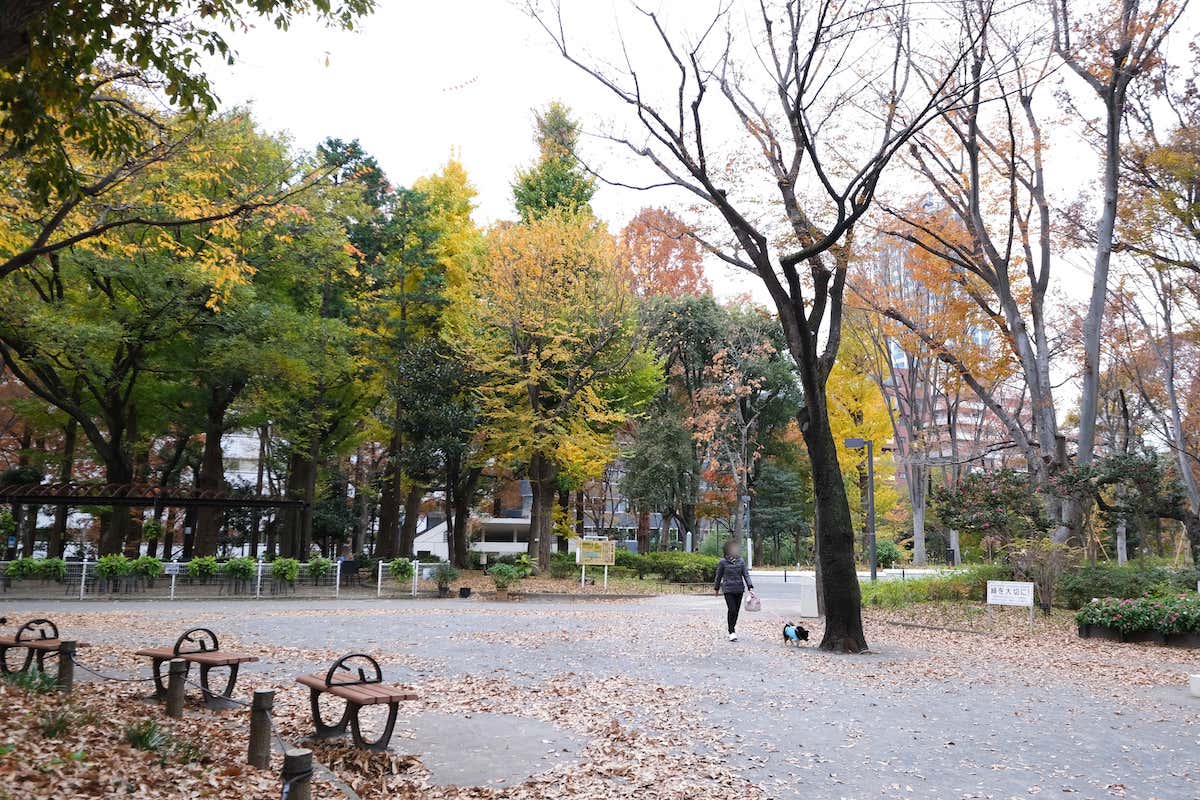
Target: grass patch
point(54, 724)
point(32, 680)
point(149, 736)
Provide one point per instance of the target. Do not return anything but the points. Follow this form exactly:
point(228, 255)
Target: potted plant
point(148, 568)
point(285, 570)
point(318, 568)
point(503, 576)
point(113, 567)
point(401, 569)
point(445, 574)
point(52, 569)
point(22, 568)
point(202, 568)
point(238, 571)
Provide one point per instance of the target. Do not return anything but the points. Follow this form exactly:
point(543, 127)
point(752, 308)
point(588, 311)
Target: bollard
point(297, 774)
point(1194, 685)
point(66, 666)
point(259, 754)
point(176, 674)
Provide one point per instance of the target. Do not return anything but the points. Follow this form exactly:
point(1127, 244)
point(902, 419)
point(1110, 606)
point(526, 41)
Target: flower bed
point(1162, 620)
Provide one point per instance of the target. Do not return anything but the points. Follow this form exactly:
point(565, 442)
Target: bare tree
point(819, 96)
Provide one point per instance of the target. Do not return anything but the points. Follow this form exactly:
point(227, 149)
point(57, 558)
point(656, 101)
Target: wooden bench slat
point(36, 644)
point(364, 694)
point(210, 658)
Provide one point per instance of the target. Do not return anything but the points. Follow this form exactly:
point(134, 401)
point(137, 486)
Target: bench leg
point(212, 700)
point(5, 668)
point(380, 744)
point(324, 731)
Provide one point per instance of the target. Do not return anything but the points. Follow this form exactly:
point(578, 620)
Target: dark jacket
point(733, 576)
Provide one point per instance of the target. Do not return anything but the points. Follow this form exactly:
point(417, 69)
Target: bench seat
point(362, 694)
point(36, 644)
point(207, 658)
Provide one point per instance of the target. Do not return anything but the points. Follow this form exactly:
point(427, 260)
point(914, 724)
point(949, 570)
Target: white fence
point(186, 580)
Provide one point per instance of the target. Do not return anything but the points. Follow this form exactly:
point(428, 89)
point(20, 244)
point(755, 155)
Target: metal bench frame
point(367, 673)
point(193, 642)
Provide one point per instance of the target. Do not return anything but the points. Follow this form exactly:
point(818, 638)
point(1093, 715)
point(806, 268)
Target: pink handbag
point(753, 603)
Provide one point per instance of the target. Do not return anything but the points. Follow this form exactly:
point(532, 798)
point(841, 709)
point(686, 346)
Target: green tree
point(557, 180)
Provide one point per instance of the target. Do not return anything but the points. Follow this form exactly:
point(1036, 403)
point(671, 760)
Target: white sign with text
point(1010, 593)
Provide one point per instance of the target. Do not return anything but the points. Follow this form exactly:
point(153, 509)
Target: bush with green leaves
point(401, 569)
point(22, 568)
point(679, 567)
point(203, 567)
point(285, 569)
point(631, 561)
point(503, 576)
point(1078, 587)
point(445, 574)
point(887, 553)
point(152, 530)
point(52, 569)
point(32, 680)
point(562, 565)
point(114, 565)
point(319, 567)
point(147, 567)
point(8, 523)
point(1165, 615)
point(240, 569)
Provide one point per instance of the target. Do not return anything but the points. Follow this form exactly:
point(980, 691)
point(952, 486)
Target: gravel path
point(924, 715)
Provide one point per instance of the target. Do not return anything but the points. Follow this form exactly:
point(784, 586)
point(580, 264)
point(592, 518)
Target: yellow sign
point(596, 552)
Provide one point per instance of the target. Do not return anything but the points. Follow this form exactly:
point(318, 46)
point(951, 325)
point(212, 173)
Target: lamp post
point(748, 543)
point(858, 444)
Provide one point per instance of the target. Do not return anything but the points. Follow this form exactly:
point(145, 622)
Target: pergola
point(98, 494)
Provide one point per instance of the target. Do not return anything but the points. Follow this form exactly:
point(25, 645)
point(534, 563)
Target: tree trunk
point(463, 494)
point(918, 495)
point(211, 477)
point(564, 505)
point(412, 512)
point(834, 535)
point(66, 470)
point(115, 523)
point(541, 531)
point(387, 542)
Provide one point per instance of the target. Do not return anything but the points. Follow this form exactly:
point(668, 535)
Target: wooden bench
point(39, 638)
point(357, 679)
point(198, 646)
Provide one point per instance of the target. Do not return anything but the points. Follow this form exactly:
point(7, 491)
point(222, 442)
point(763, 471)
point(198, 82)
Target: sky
point(420, 81)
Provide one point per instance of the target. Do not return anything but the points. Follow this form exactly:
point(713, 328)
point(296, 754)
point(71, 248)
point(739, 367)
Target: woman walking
point(733, 578)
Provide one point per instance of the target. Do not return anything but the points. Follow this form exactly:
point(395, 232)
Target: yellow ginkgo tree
point(550, 325)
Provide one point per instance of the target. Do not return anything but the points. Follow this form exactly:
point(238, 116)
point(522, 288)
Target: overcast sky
point(418, 81)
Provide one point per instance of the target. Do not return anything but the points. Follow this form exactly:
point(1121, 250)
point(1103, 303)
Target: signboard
point(174, 568)
point(1010, 593)
point(596, 552)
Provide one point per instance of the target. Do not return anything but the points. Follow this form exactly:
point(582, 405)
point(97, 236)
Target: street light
point(858, 444)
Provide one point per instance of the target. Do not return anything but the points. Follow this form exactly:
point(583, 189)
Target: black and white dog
point(794, 633)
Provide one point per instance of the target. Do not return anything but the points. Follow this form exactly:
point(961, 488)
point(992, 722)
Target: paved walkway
point(800, 723)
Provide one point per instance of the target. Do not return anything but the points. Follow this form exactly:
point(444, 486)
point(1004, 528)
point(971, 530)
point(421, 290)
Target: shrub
point(203, 567)
point(22, 568)
point(285, 569)
point(147, 566)
point(114, 565)
point(1165, 615)
point(632, 561)
point(152, 530)
point(677, 567)
point(145, 735)
point(503, 576)
point(52, 569)
point(1076, 589)
point(402, 569)
point(241, 569)
point(319, 567)
point(887, 553)
point(445, 574)
point(562, 565)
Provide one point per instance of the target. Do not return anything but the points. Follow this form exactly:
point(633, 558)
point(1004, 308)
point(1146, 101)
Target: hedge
point(1165, 615)
point(1078, 588)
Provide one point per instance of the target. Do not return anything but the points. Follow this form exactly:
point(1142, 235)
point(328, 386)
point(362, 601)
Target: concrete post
point(66, 666)
point(297, 774)
point(259, 754)
point(176, 673)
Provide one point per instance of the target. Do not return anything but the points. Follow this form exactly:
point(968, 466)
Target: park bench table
point(198, 646)
point(39, 638)
point(360, 688)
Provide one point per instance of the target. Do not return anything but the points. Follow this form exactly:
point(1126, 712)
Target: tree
point(551, 328)
point(663, 259)
point(68, 70)
point(784, 83)
point(556, 180)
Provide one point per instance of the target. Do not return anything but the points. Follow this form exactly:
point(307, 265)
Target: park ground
point(631, 698)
